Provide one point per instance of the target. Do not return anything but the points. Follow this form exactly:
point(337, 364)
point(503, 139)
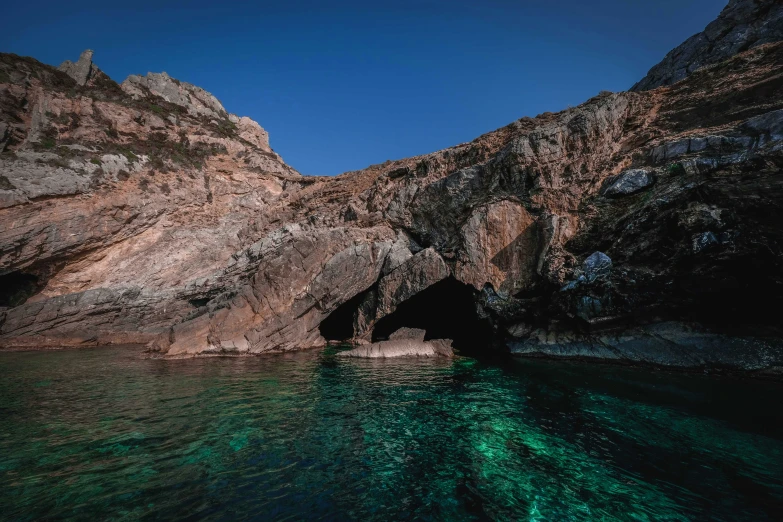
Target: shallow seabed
point(107, 434)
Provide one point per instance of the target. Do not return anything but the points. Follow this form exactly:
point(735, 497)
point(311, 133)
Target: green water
point(106, 434)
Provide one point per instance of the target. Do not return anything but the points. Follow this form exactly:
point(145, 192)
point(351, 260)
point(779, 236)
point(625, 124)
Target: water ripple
point(106, 434)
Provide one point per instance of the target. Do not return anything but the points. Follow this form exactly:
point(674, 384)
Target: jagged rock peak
point(196, 100)
point(742, 25)
point(81, 71)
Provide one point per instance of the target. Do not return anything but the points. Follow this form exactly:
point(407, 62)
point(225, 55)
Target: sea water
point(98, 434)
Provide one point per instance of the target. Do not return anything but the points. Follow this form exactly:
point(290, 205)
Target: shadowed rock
point(627, 183)
point(596, 264)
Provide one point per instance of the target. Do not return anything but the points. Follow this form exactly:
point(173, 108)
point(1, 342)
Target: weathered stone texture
point(742, 25)
point(124, 216)
point(501, 248)
point(82, 70)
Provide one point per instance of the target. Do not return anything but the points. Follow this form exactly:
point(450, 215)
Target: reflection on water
point(94, 434)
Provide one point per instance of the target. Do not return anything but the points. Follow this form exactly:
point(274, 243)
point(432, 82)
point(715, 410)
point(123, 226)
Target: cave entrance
point(339, 325)
point(16, 288)
point(446, 310)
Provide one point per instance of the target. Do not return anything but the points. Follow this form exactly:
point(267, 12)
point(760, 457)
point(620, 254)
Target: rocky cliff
point(742, 25)
point(640, 226)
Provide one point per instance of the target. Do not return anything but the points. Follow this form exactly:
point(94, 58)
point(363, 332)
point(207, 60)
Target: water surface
point(106, 434)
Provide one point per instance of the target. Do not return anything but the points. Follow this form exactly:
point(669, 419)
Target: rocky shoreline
point(634, 227)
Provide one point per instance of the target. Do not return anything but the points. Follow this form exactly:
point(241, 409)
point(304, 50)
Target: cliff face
point(636, 226)
point(742, 25)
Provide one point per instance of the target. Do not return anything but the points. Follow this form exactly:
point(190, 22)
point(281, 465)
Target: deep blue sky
point(359, 82)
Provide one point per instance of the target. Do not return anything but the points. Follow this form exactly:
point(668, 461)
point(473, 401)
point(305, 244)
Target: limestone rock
point(742, 25)
point(124, 218)
point(414, 334)
point(81, 71)
point(418, 273)
point(673, 344)
point(397, 348)
point(501, 248)
point(251, 131)
point(628, 182)
point(195, 100)
point(4, 135)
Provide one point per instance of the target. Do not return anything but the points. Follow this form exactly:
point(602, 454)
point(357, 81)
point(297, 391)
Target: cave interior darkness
point(445, 310)
point(16, 288)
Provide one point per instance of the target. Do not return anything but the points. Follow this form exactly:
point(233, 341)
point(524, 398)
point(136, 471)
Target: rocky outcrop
point(148, 213)
point(628, 182)
point(81, 71)
point(195, 100)
point(742, 25)
point(672, 344)
point(405, 342)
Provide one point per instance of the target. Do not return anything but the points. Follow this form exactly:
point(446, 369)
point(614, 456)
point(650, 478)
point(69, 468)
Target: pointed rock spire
point(82, 70)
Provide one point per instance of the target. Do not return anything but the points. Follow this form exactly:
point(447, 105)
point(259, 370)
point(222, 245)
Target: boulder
point(402, 348)
point(595, 265)
point(628, 182)
point(414, 334)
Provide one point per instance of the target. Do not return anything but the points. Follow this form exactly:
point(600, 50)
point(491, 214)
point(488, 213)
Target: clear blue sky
point(346, 84)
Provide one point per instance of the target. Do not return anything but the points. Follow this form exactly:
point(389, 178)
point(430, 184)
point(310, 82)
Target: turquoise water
point(106, 434)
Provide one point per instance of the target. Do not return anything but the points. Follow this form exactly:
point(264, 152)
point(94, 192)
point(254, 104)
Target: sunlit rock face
point(146, 213)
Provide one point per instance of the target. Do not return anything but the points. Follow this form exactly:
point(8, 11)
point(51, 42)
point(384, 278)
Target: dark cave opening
point(339, 325)
point(16, 288)
point(199, 302)
point(446, 310)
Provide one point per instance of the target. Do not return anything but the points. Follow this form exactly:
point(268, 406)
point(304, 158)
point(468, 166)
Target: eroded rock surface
point(81, 71)
point(664, 344)
point(395, 348)
point(628, 182)
point(148, 213)
point(742, 25)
